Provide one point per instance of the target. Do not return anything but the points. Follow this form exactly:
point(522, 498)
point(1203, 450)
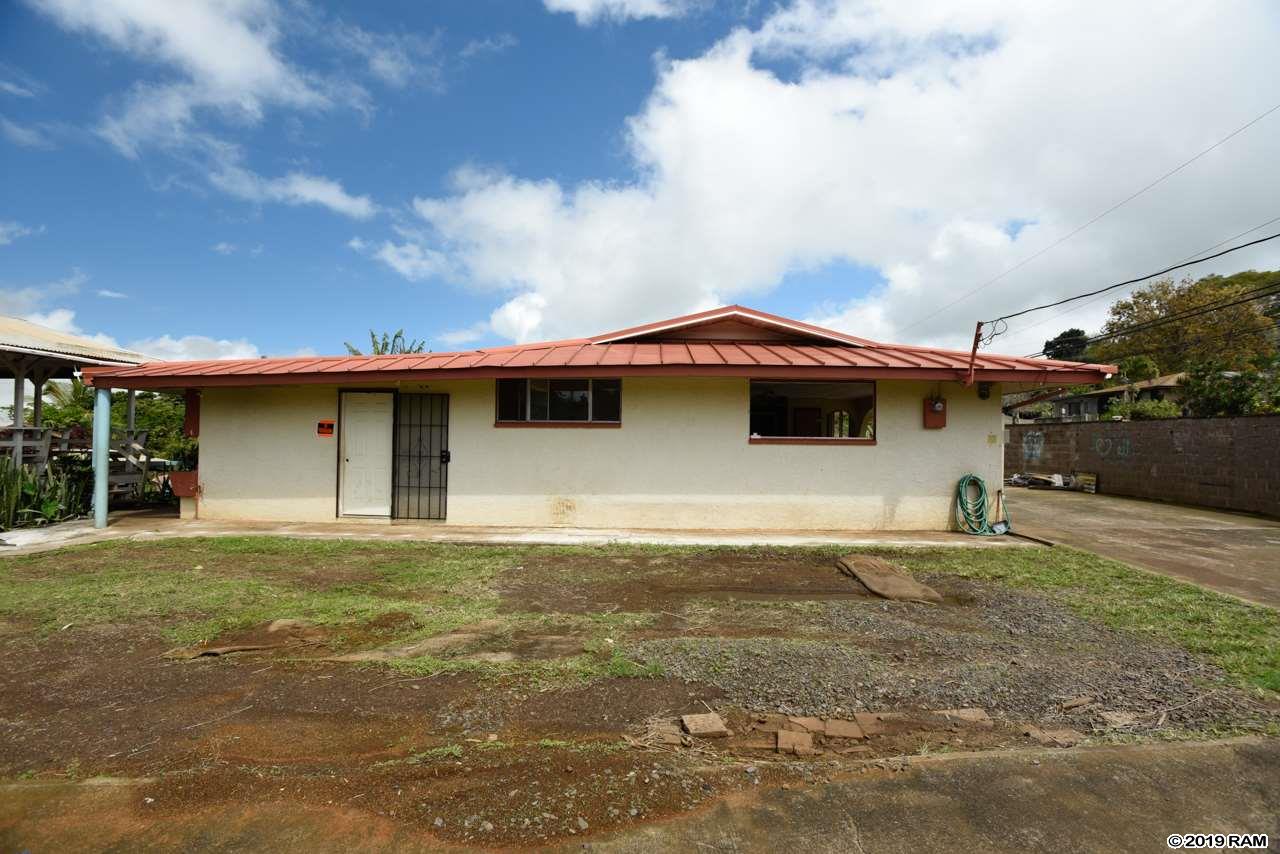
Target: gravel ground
point(1018, 655)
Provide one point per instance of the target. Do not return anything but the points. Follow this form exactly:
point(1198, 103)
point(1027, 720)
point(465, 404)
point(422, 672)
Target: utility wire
point(1190, 257)
point(1230, 333)
point(1156, 323)
point(1175, 170)
point(1136, 280)
point(1270, 289)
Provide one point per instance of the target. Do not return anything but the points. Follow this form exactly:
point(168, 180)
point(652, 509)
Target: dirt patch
point(275, 636)
point(1020, 655)
point(578, 584)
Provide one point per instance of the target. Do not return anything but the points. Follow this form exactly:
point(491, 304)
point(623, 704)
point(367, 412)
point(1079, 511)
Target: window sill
point(595, 425)
point(806, 440)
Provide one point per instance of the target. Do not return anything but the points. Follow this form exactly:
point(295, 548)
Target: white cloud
point(27, 136)
point(18, 84)
point(226, 52)
point(17, 90)
point(397, 59)
point(192, 347)
point(904, 137)
point(409, 259)
point(33, 305)
point(588, 12)
point(490, 45)
point(11, 231)
point(466, 335)
point(229, 65)
point(224, 248)
point(296, 188)
point(60, 319)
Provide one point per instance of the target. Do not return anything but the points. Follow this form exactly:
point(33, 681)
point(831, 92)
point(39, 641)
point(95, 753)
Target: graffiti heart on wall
point(1105, 446)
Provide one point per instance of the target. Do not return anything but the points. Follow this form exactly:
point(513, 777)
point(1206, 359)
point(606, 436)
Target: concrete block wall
point(1227, 463)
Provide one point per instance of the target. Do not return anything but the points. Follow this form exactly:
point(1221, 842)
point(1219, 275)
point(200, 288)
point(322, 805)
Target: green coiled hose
point(971, 509)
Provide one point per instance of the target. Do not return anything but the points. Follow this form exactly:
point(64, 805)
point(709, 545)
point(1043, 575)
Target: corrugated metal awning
point(27, 338)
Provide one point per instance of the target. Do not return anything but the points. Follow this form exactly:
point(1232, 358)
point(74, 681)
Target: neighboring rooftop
point(728, 341)
point(1166, 381)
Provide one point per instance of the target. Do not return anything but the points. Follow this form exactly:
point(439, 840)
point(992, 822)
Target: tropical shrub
point(29, 500)
point(1142, 410)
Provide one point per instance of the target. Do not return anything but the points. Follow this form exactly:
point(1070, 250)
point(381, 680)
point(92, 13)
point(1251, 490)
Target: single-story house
point(730, 418)
point(1091, 405)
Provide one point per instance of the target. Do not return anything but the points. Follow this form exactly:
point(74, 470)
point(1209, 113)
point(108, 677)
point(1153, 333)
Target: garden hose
point(971, 509)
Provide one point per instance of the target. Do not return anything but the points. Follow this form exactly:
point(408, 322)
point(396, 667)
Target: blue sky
point(277, 176)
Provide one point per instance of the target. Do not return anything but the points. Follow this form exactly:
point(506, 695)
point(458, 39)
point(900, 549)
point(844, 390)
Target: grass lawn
point(196, 589)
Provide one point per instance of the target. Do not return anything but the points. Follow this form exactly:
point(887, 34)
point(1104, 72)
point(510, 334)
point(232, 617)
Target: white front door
point(367, 419)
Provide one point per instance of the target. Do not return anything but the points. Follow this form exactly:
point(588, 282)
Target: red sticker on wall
point(324, 428)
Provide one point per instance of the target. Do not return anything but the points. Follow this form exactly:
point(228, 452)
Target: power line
point(1184, 164)
point(1230, 333)
point(1270, 289)
point(1190, 257)
point(1188, 314)
point(1136, 280)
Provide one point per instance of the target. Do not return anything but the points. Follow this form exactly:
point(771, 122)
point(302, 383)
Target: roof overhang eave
point(1024, 377)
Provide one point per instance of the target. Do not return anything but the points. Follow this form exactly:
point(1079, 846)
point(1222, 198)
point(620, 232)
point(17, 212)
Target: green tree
point(1233, 337)
point(1068, 346)
point(1138, 368)
point(70, 404)
point(1210, 390)
point(388, 344)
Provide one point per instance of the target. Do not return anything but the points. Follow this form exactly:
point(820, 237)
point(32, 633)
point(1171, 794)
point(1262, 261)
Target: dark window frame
point(527, 409)
point(817, 440)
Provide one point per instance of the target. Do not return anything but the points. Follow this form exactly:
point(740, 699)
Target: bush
point(1142, 410)
point(1211, 391)
point(29, 500)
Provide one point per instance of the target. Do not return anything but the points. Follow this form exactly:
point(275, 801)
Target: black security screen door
point(421, 472)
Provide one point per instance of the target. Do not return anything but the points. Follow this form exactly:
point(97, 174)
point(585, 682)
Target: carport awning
point(24, 338)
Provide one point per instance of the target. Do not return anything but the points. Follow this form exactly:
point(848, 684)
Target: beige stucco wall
point(680, 460)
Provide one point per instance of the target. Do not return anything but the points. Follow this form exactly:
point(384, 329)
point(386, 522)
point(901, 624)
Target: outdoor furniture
point(30, 353)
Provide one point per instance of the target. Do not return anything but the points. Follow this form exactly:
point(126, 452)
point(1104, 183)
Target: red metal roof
point(815, 353)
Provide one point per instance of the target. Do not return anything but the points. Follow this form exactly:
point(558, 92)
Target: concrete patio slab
point(142, 525)
point(1229, 552)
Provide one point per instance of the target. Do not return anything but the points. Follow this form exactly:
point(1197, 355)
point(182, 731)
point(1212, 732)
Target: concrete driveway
point(1228, 552)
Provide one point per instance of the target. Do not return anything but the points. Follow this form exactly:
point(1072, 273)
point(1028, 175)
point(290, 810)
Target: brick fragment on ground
point(870, 722)
point(709, 725)
point(770, 723)
point(837, 728)
point(765, 741)
point(808, 724)
point(1054, 737)
point(794, 742)
point(1077, 703)
point(977, 717)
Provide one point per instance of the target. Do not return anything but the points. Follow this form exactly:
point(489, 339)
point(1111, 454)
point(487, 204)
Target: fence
point(1228, 463)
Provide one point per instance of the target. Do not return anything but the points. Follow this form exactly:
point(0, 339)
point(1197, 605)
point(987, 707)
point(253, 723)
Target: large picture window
point(812, 411)
point(559, 401)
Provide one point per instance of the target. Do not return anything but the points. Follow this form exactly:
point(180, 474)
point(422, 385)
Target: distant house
point(1091, 405)
point(729, 419)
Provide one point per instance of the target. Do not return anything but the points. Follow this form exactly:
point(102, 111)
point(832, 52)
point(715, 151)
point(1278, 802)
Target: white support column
point(37, 405)
point(101, 458)
point(19, 405)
